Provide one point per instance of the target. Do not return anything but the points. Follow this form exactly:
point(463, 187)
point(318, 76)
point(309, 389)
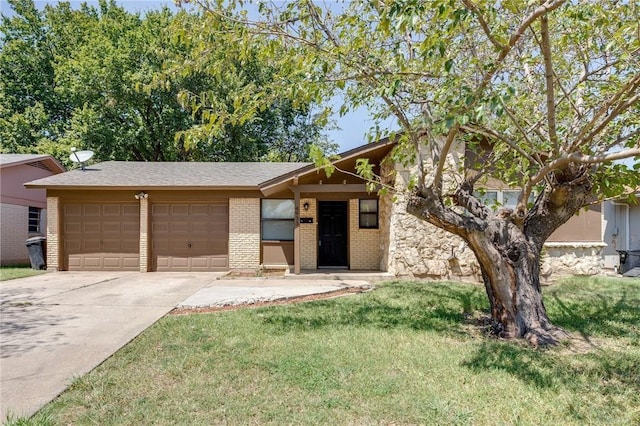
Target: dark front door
point(332, 229)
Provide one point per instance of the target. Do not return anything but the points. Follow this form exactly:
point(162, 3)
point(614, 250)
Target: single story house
point(22, 211)
point(224, 216)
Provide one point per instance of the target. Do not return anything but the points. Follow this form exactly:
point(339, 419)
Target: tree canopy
point(543, 95)
point(113, 81)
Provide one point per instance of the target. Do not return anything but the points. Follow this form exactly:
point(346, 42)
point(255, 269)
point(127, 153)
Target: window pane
point(510, 199)
point(34, 219)
point(278, 209)
point(368, 220)
point(277, 230)
point(368, 206)
point(489, 198)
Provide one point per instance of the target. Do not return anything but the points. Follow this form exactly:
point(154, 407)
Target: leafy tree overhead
point(543, 95)
point(103, 79)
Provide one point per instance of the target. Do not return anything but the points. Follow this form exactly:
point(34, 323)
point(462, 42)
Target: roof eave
point(274, 185)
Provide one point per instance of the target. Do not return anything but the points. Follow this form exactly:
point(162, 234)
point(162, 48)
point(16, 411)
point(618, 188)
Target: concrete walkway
point(58, 326)
point(226, 292)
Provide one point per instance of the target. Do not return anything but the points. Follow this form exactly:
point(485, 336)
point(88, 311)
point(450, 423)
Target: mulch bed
point(276, 302)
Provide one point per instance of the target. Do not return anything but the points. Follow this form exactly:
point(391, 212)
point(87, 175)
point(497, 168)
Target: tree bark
point(510, 268)
point(508, 250)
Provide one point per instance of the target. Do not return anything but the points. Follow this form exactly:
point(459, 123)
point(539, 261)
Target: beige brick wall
point(365, 250)
point(244, 233)
point(14, 230)
point(53, 234)
point(144, 235)
point(308, 235)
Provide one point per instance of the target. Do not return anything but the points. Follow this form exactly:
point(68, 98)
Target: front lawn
point(405, 353)
point(12, 272)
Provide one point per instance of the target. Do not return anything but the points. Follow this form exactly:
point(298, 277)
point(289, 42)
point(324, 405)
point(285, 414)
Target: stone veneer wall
point(560, 258)
point(244, 233)
point(308, 235)
point(364, 244)
point(415, 248)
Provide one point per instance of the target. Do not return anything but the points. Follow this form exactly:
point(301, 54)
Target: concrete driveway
point(58, 326)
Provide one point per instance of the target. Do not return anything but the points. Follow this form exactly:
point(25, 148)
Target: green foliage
point(471, 69)
point(131, 88)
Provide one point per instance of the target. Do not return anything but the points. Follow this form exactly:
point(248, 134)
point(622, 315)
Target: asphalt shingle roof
point(124, 174)
point(21, 158)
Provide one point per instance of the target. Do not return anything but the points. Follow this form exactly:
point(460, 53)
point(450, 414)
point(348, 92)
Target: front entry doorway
point(332, 234)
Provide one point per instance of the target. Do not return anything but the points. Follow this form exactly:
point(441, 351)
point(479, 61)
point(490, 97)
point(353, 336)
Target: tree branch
point(437, 178)
point(550, 91)
point(490, 133)
point(630, 87)
point(483, 23)
point(578, 157)
point(543, 9)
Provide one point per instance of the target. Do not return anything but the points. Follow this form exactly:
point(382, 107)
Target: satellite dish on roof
point(80, 157)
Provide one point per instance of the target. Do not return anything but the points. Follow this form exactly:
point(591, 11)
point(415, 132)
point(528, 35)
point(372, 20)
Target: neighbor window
point(278, 220)
point(34, 220)
point(369, 214)
point(494, 198)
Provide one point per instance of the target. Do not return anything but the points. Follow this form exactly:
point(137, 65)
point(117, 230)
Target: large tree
point(544, 95)
point(105, 79)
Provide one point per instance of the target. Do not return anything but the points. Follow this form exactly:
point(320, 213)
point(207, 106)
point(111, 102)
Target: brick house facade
point(222, 216)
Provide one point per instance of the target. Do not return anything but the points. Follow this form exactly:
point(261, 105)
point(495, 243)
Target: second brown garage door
point(190, 236)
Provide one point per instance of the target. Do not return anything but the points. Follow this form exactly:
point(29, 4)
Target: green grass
point(406, 353)
point(13, 272)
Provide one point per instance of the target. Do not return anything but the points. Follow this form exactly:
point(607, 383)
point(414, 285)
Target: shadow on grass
point(417, 306)
point(544, 369)
point(607, 316)
point(598, 313)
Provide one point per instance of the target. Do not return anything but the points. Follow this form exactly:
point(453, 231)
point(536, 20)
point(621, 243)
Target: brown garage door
point(190, 236)
point(101, 236)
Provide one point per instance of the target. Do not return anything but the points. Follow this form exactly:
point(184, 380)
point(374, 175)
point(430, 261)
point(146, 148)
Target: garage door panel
point(199, 227)
point(192, 236)
point(91, 227)
point(200, 210)
point(130, 227)
point(132, 262)
point(111, 210)
point(179, 227)
point(98, 236)
point(91, 245)
point(91, 261)
point(112, 227)
point(178, 210)
point(158, 210)
point(92, 210)
point(73, 228)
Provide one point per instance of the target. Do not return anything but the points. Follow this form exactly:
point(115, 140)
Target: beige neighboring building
point(224, 216)
point(22, 211)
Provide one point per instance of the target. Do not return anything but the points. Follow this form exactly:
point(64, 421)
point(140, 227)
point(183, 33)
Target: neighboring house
point(221, 216)
point(22, 210)
point(621, 232)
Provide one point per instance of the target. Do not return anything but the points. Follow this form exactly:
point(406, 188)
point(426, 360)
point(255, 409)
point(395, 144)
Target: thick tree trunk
point(511, 271)
point(508, 250)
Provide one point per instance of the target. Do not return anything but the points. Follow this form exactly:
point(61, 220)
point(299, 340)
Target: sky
point(351, 129)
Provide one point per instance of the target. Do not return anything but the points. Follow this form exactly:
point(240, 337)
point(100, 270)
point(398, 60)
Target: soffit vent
point(40, 165)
